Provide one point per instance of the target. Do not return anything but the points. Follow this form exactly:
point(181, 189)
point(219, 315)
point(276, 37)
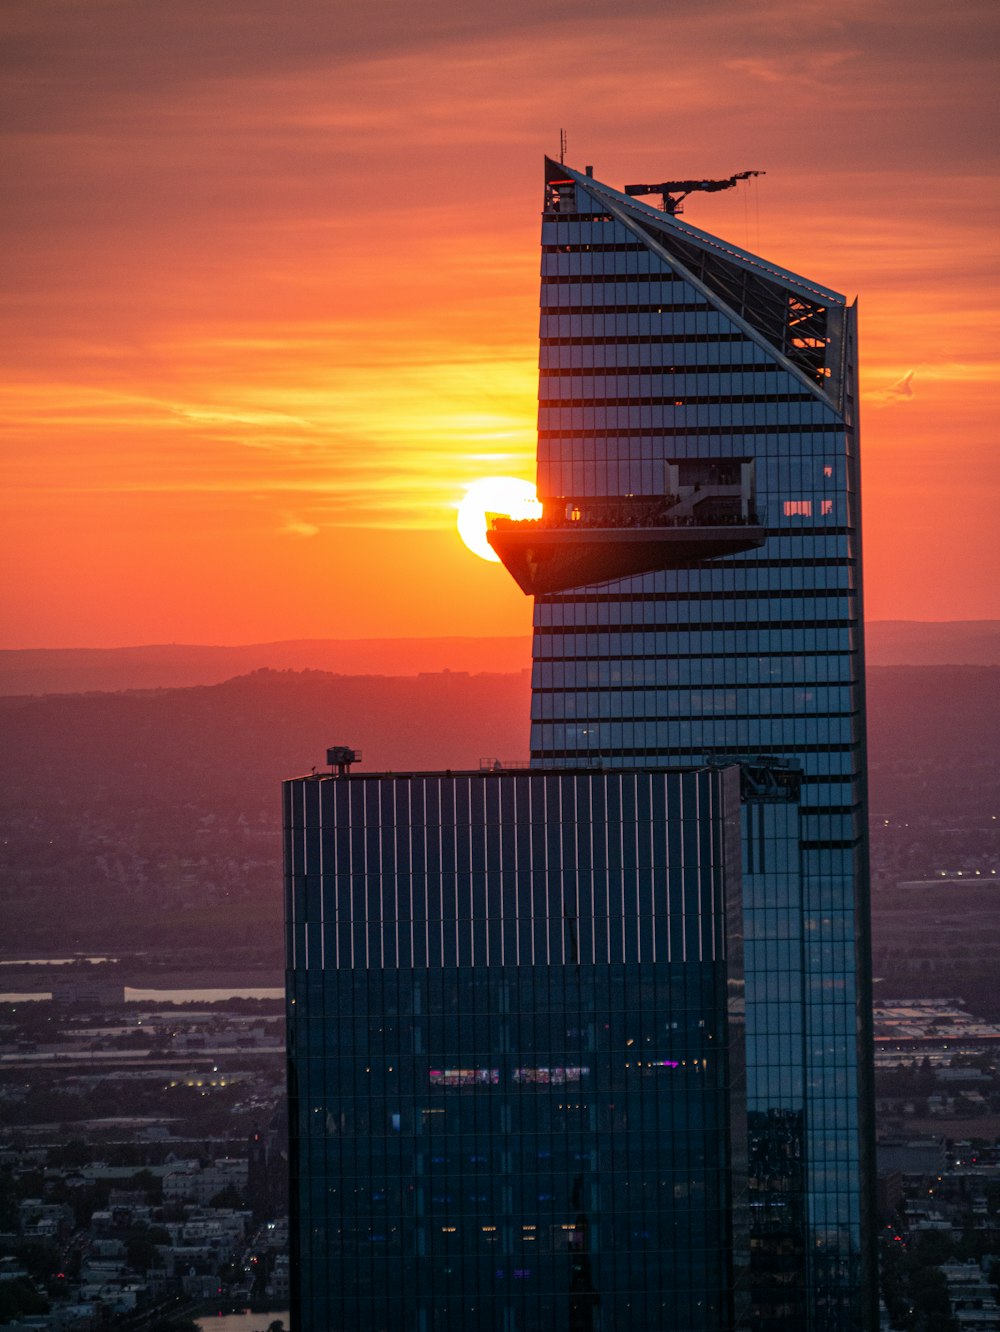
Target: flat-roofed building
point(516, 1051)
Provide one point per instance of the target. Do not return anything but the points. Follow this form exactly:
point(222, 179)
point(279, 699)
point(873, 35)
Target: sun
point(492, 495)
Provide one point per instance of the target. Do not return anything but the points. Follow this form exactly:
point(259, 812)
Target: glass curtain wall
point(667, 352)
point(516, 1052)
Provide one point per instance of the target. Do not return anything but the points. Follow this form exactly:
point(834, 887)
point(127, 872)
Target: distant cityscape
point(88, 1082)
point(143, 1160)
point(143, 1155)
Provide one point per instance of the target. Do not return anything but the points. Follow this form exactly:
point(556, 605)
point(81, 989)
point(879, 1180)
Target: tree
point(150, 1185)
point(140, 1250)
point(19, 1297)
point(70, 1154)
point(230, 1196)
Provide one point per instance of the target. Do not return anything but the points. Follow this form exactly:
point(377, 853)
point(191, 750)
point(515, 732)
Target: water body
point(200, 996)
point(51, 961)
point(244, 1322)
point(134, 996)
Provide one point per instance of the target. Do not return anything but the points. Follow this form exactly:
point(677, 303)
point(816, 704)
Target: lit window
point(798, 508)
point(464, 1077)
point(549, 1076)
point(826, 507)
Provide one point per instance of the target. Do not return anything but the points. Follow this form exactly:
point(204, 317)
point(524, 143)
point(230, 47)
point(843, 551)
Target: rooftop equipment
point(674, 192)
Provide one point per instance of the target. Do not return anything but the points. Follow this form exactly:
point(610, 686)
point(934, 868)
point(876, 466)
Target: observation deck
point(577, 542)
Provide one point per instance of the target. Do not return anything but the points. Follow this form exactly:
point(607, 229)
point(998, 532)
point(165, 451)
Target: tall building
point(516, 1089)
point(697, 574)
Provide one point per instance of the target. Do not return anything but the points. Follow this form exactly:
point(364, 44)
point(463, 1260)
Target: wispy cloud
point(297, 528)
point(902, 390)
point(279, 264)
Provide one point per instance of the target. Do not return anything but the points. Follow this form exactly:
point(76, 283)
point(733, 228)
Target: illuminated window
point(550, 1076)
point(826, 507)
point(798, 508)
point(464, 1077)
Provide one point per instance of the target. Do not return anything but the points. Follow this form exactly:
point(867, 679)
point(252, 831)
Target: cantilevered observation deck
point(579, 542)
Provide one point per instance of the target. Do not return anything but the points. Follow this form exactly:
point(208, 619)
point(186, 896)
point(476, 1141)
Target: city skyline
point(267, 309)
point(697, 580)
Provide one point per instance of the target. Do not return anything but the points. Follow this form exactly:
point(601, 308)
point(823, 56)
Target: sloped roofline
point(732, 253)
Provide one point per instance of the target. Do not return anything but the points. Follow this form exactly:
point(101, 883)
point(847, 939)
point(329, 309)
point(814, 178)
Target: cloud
point(902, 390)
point(882, 395)
point(283, 259)
point(298, 528)
point(822, 70)
point(218, 416)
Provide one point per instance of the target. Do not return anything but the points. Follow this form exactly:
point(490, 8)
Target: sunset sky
point(270, 290)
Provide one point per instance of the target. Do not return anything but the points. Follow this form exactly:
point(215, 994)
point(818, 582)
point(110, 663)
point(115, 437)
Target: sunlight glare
point(489, 496)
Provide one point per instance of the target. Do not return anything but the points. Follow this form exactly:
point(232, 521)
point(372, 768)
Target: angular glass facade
point(669, 356)
point(516, 1051)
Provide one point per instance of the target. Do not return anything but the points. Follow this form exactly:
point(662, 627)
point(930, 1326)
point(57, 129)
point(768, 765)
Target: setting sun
point(245, 331)
point(508, 495)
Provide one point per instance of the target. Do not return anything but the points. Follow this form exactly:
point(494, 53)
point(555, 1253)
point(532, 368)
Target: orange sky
point(270, 291)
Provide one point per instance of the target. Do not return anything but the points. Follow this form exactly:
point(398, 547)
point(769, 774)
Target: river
point(245, 1322)
point(134, 996)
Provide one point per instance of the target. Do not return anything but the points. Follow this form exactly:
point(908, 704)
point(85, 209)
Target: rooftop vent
point(341, 757)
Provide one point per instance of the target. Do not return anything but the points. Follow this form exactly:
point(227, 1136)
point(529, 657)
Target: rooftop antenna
point(562, 147)
point(341, 757)
point(674, 192)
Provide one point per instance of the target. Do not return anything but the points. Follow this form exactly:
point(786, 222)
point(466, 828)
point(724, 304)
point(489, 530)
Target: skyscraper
point(516, 1090)
point(697, 574)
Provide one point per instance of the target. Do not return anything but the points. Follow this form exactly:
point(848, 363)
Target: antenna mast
point(562, 147)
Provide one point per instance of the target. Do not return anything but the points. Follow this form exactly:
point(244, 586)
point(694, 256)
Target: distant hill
point(933, 740)
point(926, 643)
point(150, 818)
point(233, 742)
point(179, 665)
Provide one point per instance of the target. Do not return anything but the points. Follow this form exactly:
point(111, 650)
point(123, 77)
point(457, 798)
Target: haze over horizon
point(28, 671)
point(271, 287)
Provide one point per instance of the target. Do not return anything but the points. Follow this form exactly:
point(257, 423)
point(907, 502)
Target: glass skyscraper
point(517, 1097)
point(516, 1037)
point(691, 390)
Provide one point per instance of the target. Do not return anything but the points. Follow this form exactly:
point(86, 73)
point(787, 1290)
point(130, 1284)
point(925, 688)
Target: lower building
point(516, 1085)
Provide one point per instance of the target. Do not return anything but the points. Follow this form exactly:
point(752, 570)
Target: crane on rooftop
point(674, 192)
